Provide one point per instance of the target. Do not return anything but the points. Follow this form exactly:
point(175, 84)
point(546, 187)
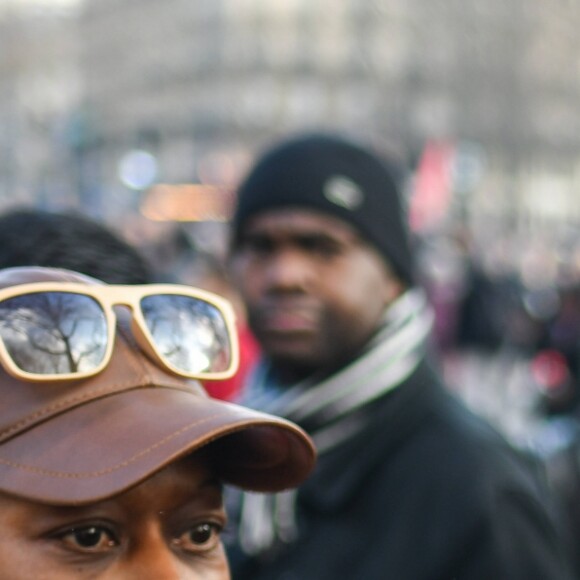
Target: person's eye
point(258, 245)
point(200, 537)
point(321, 247)
point(90, 538)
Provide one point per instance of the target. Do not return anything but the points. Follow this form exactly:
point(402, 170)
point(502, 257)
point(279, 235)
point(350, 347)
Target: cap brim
point(97, 450)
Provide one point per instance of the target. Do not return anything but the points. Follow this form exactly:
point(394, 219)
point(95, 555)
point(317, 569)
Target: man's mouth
point(289, 320)
point(284, 323)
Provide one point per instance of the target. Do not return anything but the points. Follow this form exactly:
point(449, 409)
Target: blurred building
point(39, 86)
point(199, 86)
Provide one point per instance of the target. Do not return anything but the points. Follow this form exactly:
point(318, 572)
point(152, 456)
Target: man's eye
point(258, 245)
point(89, 538)
point(200, 537)
point(322, 247)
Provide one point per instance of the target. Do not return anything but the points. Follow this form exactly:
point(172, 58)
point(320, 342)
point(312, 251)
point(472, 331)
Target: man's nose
point(156, 559)
point(288, 270)
point(163, 566)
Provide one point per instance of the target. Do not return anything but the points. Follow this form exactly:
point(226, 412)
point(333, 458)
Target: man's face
point(314, 290)
point(166, 528)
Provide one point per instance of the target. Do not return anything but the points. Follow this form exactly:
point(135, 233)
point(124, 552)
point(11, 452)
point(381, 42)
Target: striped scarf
point(333, 410)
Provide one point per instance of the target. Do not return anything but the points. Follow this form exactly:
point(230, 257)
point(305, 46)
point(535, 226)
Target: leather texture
point(77, 442)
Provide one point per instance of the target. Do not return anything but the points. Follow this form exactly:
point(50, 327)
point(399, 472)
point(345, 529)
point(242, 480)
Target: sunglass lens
point(53, 333)
point(190, 333)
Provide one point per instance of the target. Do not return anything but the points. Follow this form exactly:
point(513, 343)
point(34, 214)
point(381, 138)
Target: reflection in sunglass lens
point(189, 333)
point(53, 332)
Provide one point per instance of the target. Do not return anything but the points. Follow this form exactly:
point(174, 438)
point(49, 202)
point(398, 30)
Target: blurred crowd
point(361, 334)
point(504, 301)
point(507, 331)
point(507, 316)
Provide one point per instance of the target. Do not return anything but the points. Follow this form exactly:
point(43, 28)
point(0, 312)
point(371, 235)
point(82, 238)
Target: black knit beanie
point(337, 177)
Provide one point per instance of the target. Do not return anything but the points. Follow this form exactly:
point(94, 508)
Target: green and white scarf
point(332, 410)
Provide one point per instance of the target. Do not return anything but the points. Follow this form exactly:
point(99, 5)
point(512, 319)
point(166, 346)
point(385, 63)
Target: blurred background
point(145, 114)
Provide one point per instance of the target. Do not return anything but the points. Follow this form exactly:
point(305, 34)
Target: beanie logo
point(343, 191)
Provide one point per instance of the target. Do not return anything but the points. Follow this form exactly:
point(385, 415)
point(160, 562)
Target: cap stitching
point(121, 387)
point(82, 475)
point(138, 369)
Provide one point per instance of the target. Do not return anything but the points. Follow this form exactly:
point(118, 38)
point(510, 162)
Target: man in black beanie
point(409, 485)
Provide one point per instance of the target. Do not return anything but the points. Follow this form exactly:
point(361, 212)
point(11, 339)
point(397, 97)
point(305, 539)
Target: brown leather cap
point(79, 442)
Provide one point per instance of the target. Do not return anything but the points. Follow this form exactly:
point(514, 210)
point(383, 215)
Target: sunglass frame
point(109, 295)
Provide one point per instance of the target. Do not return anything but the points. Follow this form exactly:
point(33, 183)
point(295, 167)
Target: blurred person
point(112, 457)
point(556, 372)
point(30, 236)
point(409, 485)
point(171, 252)
point(67, 240)
point(563, 336)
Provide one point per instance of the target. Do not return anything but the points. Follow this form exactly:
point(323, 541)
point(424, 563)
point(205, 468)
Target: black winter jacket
point(427, 492)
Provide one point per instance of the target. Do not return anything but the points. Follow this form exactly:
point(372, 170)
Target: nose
point(163, 565)
point(157, 560)
point(289, 270)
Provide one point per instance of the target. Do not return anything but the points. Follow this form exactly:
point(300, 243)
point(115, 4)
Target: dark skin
point(315, 290)
point(166, 528)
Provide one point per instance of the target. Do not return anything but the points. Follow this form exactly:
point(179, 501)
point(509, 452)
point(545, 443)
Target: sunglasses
point(60, 330)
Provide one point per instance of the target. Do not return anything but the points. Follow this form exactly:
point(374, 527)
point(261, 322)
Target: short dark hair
point(34, 237)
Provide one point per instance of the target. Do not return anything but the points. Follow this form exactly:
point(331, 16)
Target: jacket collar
point(391, 421)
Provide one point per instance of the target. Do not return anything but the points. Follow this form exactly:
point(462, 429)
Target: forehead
point(178, 483)
point(292, 221)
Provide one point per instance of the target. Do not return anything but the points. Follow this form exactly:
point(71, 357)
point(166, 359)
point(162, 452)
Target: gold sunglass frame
point(109, 295)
